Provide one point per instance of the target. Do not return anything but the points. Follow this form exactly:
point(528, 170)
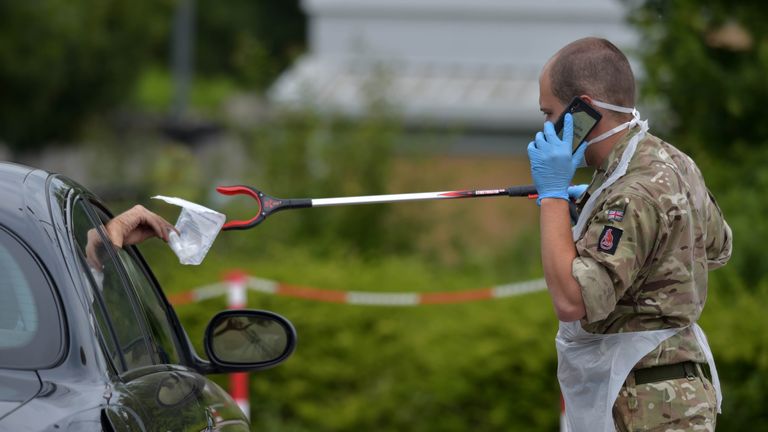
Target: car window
point(152, 305)
point(120, 321)
point(107, 336)
point(30, 323)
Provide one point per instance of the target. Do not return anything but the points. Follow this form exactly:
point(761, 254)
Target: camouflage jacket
point(644, 255)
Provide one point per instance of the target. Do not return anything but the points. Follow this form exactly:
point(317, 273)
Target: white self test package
point(197, 228)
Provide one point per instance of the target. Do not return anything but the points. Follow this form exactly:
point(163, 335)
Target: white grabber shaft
point(422, 196)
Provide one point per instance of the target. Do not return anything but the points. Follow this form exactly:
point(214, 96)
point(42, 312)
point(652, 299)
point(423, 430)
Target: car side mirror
point(242, 340)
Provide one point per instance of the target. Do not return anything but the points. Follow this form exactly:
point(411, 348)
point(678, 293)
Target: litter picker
point(268, 204)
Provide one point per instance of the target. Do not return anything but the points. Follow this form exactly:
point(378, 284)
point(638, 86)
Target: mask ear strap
point(611, 132)
point(616, 108)
point(635, 120)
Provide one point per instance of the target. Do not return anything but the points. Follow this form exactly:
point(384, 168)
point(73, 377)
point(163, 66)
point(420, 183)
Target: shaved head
point(593, 67)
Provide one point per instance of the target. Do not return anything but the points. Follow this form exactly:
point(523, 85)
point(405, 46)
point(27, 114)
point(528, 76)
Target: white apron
point(592, 368)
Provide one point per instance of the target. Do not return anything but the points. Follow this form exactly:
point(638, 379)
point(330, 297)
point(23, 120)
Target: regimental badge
point(609, 239)
point(615, 215)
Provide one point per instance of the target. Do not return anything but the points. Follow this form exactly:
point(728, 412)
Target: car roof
point(11, 184)
point(24, 194)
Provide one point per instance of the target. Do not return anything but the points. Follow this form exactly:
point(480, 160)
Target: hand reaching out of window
point(136, 225)
point(130, 227)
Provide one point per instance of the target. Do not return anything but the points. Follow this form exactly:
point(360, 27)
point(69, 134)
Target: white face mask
point(628, 125)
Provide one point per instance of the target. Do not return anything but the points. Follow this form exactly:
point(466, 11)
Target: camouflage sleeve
point(616, 245)
point(719, 237)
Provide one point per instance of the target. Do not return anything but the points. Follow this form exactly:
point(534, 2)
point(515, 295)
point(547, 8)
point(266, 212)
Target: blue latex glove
point(552, 164)
point(575, 191)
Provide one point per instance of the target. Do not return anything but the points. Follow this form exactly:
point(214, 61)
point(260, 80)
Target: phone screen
point(584, 120)
point(582, 125)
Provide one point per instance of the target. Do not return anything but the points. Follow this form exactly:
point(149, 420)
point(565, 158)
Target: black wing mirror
point(242, 340)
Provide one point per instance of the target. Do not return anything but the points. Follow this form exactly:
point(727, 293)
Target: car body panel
point(17, 388)
point(181, 399)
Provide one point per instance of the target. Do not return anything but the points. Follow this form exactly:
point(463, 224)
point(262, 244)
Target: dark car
point(87, 347)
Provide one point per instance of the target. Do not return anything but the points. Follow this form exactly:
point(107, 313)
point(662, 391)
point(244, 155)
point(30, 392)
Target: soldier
point(628, 282)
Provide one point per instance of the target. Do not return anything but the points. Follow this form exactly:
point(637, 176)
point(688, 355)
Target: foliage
point(62, 61)
point(147, 165)
point(706, 61)
point(735, 323)
point(447, 368)
point(154, 89)
point(250, 41)
point(308, 154)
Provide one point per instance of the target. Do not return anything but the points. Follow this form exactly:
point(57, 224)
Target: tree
point(250, 41)
point(62, 61)
point(706, 61)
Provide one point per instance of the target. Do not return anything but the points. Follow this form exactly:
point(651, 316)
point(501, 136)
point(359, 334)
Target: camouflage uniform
point(642, 264)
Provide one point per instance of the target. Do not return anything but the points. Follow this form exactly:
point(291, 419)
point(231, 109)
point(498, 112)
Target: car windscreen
point(30, 323)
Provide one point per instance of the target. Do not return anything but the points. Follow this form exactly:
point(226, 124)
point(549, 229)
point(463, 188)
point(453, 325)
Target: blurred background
point(323, 98)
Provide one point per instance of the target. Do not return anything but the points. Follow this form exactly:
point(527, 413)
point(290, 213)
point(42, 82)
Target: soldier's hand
point(576, 191)
point(552, 161)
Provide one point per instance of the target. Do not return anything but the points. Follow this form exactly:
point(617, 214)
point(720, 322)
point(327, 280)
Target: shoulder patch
point(609, 239)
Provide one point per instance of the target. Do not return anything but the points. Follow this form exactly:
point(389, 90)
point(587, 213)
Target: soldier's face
point(549, 105)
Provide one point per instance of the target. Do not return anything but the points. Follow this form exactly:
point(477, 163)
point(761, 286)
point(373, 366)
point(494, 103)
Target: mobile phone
point(585, 119)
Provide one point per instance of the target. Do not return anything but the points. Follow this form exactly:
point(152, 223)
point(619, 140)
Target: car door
point(142, 338)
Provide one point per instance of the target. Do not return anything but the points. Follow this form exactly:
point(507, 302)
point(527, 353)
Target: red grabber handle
point(243, 190)
point(266, 205)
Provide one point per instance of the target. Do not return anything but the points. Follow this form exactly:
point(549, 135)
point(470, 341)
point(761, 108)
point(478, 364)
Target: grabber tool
point(266, 205)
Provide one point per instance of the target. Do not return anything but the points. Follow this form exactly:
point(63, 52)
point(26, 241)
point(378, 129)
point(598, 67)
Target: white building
point(468, 65)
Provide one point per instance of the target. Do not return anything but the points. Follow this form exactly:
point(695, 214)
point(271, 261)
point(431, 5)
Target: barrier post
point(237, 299)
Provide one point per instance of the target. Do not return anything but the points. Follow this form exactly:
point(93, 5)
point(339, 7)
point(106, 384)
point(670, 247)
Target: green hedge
point(488, 365)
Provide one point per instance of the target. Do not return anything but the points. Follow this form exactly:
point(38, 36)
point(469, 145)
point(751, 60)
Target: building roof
point(440, 62)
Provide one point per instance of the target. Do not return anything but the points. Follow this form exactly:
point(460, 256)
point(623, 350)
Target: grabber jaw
point(266, 205)
point(253, 193)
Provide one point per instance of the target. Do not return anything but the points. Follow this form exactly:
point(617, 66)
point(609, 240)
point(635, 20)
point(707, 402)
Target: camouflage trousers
point(676, 405)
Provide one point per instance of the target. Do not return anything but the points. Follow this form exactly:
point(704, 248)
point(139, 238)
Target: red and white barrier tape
point(364, 298)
